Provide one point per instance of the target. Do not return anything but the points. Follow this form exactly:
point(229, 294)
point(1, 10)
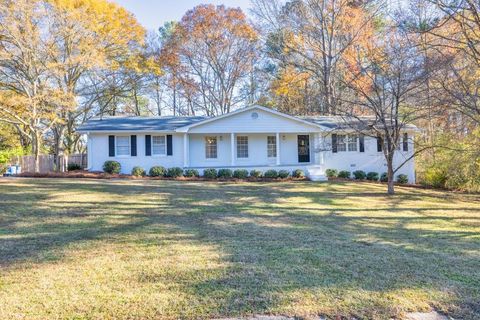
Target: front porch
point(250, 149)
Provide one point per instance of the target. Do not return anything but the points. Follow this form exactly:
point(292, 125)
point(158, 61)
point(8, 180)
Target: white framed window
point(122, 145)
point(341, 143)
point(272, 146)
point(242, 147)
point(347, 142)
point(352, 142)
point(159, 145)
point(211, 147)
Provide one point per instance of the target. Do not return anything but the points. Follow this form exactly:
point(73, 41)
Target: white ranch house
point(250, 138)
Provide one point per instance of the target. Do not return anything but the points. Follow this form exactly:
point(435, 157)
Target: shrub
point(74, 167)
point(402, 179)
point(331, 173)
point(435, 177)
point(240, 174)
point(283, 174)
point(344, 174)
point(359, 175)
point(255, 173)
point(225, 173)
point(112, 167)
point(298, 173)
point(157, 171)
point(372, 176)
point(175, 172)
point(138, 172)
point(272, 174)
point(384, 177)
point(191, 173)
point(210, 173)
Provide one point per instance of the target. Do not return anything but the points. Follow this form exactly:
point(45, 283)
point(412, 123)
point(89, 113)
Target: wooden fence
point(47, 162)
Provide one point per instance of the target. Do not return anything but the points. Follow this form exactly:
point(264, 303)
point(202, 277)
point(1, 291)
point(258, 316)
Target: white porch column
point(277, 140)
point(89, 152)
point(186, 153)
point(232, 149)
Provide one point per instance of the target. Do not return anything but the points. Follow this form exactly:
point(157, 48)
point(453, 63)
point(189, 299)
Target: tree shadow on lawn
point(276, 254)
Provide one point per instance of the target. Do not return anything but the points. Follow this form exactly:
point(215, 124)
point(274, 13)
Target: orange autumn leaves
point(209, 53)
point(324, 40)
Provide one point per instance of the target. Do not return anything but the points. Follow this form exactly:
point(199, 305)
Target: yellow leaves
point(107, 29)
point(290, 82)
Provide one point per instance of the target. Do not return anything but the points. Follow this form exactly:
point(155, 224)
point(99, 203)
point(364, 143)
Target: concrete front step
point(316, 173)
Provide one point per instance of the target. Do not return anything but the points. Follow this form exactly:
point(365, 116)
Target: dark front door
point(303, 148)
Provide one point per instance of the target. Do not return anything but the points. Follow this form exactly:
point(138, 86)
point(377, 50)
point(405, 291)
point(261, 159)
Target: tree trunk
point(58, 136)
point(36, 150)
point(391, 181)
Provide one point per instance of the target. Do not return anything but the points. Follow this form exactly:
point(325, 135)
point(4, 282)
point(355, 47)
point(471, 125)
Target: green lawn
point(163, 249)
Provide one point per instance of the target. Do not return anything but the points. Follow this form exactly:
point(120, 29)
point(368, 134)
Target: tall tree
point(212, 51)
point(313, 37)
point(29, 99)
point(387, 82)
point(87, 36)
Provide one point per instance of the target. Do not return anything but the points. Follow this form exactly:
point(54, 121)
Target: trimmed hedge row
point(361, 175)
point(114, 167)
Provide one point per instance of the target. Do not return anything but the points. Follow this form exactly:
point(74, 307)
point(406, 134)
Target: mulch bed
point(107, 176)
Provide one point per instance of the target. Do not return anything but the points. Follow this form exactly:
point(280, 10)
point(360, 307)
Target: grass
point(85, 249)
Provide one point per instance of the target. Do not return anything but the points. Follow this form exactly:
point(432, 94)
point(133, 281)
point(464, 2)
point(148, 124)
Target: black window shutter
point(405, 142)
point(148, 145)
point(111, 146)
point(133, 146)
point(334, 143)
point(169, 145)
point(362, 143)
point(379, 144)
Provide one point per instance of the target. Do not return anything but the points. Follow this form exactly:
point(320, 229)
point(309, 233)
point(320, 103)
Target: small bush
point(283, 174)
point(175, 172)
point(298, 173)
point(344, 174)
point(191, 173)
point(272, 174)
point(225, 173)
point(210, 173)
point(402, 179)
point(256, 174)
point(73, 167)
point(384, 177)
point(112, 167)
point(359, 175)
point(240, 174)
point(138, 172)
point(331, 173)
point(435, 177)
point(372, 176)
point(157, 171)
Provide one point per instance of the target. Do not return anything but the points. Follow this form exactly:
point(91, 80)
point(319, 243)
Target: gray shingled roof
point(345, 123)
point(138, 123)
point(170, 123)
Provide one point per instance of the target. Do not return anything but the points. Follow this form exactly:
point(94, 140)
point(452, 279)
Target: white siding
point(257, 150)
point(265, 123)
point(370, 160)
point(99, 150)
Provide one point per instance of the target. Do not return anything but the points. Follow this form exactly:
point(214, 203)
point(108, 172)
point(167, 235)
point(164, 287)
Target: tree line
point(63, 62)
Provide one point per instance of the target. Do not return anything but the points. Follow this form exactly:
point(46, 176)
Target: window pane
point(211, 147)
point(341, 143)
point(352, 142)
point(123, 146)
point(272, 146)
point(158, 145)
point(242, 147)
